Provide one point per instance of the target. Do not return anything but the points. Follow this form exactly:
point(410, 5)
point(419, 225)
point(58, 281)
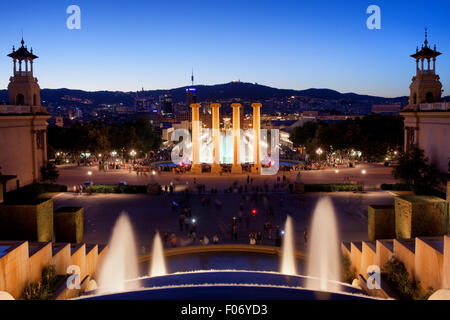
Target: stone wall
point(24, 157)
point(14, 268)
point(404, 250)
point(368, 257)
point(385, 251)
point(355, 256)
point(446, 273)
point(381, 222)
point(427, 259)
point(23, 262)
point(429, 263)
point(32, 221)
point(420, 216)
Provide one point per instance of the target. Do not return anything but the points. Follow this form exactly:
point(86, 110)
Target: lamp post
point(319, 152)
point(362, 182)
point(133, 154)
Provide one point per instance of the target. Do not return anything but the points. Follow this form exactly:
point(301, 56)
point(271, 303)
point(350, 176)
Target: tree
point(415, 170)
point(373, 135)
point(49, 172)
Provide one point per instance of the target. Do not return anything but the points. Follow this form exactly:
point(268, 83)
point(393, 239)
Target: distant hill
point(242, 90)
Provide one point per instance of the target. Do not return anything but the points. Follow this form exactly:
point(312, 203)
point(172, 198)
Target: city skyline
point(149, 45)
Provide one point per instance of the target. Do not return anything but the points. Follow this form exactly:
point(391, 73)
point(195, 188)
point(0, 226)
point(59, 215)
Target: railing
point(9, 109)
point(14, 109)
point(437, 106)
point(425, 72)
point(23, 74)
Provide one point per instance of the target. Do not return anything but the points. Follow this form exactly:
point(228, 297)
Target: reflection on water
point(223, 261)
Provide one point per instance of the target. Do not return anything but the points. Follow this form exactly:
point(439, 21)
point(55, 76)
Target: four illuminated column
point(196, 166)
point(216, 167)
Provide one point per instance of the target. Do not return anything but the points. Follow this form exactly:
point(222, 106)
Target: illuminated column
point(236, 168)
point(216, 168)
point(196, 166)
point(256, 137)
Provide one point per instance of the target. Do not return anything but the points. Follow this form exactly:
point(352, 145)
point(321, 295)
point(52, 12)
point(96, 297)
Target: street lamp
point(133, 154)
point(89, 173)
point(319, 151)
point(362, 182)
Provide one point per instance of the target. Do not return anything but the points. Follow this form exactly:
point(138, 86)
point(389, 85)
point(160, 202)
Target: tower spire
point(426, 37)
point(192, 76)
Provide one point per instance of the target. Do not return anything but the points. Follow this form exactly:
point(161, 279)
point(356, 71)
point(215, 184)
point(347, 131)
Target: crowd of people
point(254, 202)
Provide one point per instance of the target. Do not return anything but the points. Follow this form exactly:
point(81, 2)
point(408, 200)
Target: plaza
point(150, 213)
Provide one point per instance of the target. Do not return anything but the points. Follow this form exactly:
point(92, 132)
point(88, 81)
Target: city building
point(143, 103)
point(387, 109)
point(22, 125)
point(427, 118)
point(166, 105)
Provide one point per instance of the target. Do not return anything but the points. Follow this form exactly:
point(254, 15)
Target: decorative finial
point(434, 47)
point(426, 36)
point(417, 49)
point(22, 42)
point(14, 49)
point(192, 76)
point(31, 49)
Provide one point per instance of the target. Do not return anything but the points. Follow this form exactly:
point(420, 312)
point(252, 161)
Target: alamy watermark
point(374, 280)
point(182, 153)
point(73, 281)
point(374, 20)
point(73, 22)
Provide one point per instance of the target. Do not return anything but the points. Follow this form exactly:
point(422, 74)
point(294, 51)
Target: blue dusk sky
point(124, 45)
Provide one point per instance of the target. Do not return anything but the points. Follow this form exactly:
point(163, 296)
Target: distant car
point(123, 183)
point(88, 184)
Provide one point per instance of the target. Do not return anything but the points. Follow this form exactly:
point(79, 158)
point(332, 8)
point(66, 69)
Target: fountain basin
point(242, 272)
point(227, 285)
point(222, 257)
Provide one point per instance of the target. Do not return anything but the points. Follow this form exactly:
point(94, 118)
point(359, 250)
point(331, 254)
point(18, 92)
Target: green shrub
point(348, 271)
point(396, 187)
point(398, 279)
point(46, 288)
point(129, 189)
point(332, 187)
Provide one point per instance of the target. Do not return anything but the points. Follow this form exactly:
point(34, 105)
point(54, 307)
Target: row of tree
point(373, 135)
point(100, 138)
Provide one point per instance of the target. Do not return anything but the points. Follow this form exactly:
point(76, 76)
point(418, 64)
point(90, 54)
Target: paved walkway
point(150, 213)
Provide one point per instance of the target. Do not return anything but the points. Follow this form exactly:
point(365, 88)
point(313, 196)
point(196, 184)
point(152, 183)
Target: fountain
point(288, 261)
point(120, 263)
point(158, 265)
point(323, 253)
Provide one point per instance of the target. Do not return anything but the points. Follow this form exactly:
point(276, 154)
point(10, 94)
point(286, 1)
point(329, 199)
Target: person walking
point(251, 236)
point(259, 238)
point(181, 221)
point(234, 232)
point(278, 237)
point(173, 240)
point(165, 238)
point(216, 239)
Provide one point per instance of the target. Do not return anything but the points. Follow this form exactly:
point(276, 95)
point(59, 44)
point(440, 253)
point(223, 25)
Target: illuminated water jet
point(288, 261)
point(323, 252)
point(158, 265)
point(120, 263)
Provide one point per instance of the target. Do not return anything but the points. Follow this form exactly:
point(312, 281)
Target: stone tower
point(23, 87)
point(425, 86)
